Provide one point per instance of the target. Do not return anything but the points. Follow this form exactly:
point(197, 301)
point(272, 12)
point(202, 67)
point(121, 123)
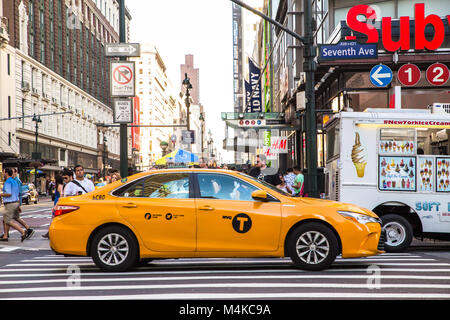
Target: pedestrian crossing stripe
point(226, 278)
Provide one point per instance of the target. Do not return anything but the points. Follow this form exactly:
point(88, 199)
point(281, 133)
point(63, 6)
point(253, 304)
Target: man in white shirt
point(79, 185)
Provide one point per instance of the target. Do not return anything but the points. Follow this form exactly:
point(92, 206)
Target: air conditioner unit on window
point(25, 86)
point(441, 108)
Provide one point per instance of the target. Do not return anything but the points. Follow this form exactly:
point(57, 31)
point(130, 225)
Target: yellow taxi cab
point(189, 213)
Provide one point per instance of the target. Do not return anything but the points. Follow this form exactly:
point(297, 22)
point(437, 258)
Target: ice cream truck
point(395, 162)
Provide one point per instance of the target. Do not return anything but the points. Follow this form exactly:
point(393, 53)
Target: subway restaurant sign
point(404, 42)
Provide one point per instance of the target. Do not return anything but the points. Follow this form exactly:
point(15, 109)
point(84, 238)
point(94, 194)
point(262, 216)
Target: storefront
point(344, 84)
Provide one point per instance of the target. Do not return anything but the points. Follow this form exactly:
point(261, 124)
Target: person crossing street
point(11, 212)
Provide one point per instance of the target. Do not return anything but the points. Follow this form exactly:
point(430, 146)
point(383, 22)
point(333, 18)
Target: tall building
point(55, 62)
point(194, 76)
point(197, 112)
point(160, 104)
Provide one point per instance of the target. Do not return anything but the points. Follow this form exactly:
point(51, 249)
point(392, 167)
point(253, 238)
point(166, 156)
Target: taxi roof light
point(60, 210)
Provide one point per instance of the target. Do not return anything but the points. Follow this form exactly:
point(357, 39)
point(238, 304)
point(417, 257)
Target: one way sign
point(380, 75)
point(122, 50)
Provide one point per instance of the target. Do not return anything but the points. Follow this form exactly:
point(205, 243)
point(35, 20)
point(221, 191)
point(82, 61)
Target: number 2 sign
point(437, 74)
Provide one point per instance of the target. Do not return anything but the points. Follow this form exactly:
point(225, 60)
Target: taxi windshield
point(268, 185)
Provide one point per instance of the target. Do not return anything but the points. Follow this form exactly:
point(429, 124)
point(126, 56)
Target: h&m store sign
point(404, 41)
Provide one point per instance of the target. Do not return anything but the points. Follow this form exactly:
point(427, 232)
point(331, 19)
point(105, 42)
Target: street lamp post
point(187, 85)
point(36, 155)
point(104, 154)
point(123, 127)
point(202, 119)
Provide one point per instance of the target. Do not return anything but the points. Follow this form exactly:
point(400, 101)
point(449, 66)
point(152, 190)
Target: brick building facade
point(55, 62)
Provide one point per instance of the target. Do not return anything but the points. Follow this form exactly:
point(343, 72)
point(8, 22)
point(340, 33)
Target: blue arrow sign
point(380, 75)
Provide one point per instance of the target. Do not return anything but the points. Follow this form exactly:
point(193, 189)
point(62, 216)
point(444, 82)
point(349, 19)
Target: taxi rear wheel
point(313, 246)
point(114, 249)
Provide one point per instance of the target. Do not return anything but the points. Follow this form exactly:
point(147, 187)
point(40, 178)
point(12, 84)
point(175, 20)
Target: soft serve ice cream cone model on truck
point(395, 162)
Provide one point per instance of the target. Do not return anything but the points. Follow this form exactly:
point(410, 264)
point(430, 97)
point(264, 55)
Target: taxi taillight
point(60, 210)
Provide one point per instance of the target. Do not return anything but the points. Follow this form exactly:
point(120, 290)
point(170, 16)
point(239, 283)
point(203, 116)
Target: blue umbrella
point(32, 171)
point(185, 156)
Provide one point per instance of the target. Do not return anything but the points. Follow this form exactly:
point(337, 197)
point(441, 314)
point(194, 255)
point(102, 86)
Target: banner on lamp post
point(254, 102)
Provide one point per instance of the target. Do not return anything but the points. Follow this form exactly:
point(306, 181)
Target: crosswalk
point(388, 276)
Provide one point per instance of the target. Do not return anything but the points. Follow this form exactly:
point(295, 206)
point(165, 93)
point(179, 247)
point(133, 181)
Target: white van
point(395, 162)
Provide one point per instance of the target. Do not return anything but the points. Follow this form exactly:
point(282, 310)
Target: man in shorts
point(11, 212)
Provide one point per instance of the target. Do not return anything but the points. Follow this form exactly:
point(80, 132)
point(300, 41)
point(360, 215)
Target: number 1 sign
point(408, 74)
point(437, 74)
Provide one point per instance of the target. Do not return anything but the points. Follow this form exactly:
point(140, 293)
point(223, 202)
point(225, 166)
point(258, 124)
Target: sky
point(199, 27)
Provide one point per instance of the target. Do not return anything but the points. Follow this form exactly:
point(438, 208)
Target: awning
point(178, 156)
point(51, 168)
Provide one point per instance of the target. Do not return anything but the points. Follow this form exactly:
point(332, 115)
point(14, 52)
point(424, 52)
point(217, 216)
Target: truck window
point(397, 141)
point(433, 141)
point(333, 142)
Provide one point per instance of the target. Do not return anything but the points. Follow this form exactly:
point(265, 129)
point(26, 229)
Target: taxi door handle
point(130, 205)
point(206, 208)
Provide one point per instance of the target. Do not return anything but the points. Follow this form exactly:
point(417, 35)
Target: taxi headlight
point(358, 217)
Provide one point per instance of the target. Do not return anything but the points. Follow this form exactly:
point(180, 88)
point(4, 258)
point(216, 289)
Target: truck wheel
point(114, 249)
point(312, 246)
point(399, 233)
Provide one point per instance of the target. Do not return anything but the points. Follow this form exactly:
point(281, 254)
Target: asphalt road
point(30, 270)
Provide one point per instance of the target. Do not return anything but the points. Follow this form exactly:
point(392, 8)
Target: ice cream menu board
point(397, 173)
point(425, 174)
point(442, 174)
point(396, 147)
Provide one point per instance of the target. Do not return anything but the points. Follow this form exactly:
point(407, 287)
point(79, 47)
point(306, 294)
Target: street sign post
point(408, 74)
point(437, 74)
point(123, 111)
point(122, 79)
point(348, 50)
point(380, 75)
point(188, 136)
point(122, 50)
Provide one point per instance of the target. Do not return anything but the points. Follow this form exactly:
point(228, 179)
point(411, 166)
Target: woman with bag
point(59, 187)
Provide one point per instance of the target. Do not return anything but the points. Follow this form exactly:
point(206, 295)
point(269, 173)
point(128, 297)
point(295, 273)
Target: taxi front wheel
point(114, 249)
point(313, 246)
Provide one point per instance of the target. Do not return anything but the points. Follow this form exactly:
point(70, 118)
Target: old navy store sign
point(403, 42)
point(347, 50)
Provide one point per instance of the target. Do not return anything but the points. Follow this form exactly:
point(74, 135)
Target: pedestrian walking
point(289, 177)
point(115, 177)
point(255, 172)
point(298, 182)
point(80, 185)
point(283, 185)
point(59, 190)
point(11, 212)
point(19, 182)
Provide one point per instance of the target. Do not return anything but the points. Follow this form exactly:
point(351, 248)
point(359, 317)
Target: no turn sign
point(122, 79)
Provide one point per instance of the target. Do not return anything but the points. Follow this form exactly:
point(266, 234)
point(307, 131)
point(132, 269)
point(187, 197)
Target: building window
point(9, 106)
point(31, 32)
point(62, 154)
point(42, 28)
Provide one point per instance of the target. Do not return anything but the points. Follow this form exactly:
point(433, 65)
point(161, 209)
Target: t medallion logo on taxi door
point(241, 223)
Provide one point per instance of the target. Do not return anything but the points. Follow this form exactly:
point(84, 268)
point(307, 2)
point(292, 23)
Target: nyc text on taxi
point(190, 213)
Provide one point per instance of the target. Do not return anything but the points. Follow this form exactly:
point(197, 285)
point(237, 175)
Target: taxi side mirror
point(260, 195)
